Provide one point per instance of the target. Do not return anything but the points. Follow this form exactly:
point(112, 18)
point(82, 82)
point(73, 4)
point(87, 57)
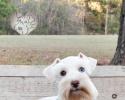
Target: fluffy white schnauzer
point(73, 74)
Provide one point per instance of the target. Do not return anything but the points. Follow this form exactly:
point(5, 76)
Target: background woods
point(59, 17)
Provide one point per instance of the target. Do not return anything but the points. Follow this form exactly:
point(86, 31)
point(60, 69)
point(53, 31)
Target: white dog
point(74, 82)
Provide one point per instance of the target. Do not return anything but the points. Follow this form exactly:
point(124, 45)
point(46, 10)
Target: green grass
point(46, 48)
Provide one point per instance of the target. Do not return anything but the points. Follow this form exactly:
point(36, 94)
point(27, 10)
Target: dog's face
point(73, 73)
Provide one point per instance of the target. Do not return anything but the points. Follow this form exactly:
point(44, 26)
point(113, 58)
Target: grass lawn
point(44, 49)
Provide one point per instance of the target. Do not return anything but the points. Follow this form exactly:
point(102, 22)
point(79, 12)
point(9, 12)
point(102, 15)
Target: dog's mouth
point(72, 90)
point(78, 90)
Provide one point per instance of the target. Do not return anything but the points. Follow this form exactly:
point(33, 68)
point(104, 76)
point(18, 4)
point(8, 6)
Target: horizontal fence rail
point(21, 82)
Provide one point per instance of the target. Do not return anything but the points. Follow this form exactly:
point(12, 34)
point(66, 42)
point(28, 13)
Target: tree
point(106, 19)
point(119, 57)
point(5, 8)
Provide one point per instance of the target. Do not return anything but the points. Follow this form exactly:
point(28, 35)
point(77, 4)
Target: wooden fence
point(21, 82)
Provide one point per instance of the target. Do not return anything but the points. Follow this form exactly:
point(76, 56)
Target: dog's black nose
point(75, 84)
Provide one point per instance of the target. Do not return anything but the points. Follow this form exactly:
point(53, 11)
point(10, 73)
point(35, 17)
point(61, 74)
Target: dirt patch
point(35, 57)
point(26, 56)
point(103, 61)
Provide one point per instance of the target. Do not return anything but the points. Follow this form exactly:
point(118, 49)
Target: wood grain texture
point(18, 82)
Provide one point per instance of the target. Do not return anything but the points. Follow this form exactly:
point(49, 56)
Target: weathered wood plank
point(109, 71)
point(27, 82)
point(25, 70)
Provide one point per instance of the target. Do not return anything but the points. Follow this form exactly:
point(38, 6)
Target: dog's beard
point(79, 94)
point(64, 93)
point(69, 93)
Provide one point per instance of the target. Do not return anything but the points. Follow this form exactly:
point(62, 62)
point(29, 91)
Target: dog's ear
point(56, 61)
point(48, 72)
point(92, 64)
point(81, 55)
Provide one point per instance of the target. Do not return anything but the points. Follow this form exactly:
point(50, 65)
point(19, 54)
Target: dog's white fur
point(87, 90)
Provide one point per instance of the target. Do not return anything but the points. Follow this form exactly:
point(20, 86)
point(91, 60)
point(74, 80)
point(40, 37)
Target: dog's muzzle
point(76, 88)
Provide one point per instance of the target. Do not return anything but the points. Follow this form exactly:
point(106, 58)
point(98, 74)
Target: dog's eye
point(82, 69)
point(63, 73)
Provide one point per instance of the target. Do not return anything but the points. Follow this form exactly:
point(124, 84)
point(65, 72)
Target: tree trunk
point(119, 57)
point(106, 19)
